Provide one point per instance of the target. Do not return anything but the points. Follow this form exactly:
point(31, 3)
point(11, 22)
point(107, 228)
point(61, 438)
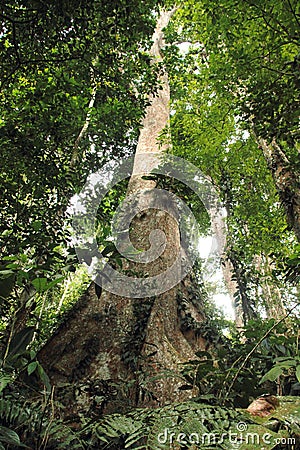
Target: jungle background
point(76, 78)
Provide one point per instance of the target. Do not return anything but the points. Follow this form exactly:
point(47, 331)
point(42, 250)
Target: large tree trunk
point(119, 348)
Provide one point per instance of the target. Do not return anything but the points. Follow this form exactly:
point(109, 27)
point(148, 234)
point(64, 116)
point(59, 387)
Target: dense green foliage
point(235, 80)
point(52, 59)
point(59, 59)
point(75, 81)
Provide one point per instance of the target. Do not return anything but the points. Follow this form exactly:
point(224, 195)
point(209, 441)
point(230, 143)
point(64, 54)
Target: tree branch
point(87, 120)
point(293, 12)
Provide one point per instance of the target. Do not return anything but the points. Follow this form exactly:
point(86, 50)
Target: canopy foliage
point(75, 82)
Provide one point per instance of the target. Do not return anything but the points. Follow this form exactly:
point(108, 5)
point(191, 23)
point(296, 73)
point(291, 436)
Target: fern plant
point(34, 424)
point(162, 428)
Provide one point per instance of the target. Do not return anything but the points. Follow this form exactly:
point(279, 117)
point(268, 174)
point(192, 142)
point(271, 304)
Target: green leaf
point(4, 381)
point(6, 274)
point(20, 341)
point(40, 284)
point(272, 374)
point(44, 377)
point(54, 282)
point(298, 373)
point(31, 367)
point(36, 225)
point(7, 282)
point(10, 437)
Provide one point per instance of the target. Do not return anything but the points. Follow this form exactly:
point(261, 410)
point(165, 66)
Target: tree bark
point(287, 181)
point(234, 282)
point(121, 348)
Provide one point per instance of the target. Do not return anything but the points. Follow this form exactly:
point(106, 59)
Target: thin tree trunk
point(287, 181)
point(230, 268)
point(233, 289)
point(83, 131)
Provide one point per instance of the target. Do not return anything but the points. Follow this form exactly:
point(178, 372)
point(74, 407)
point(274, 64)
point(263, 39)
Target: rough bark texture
point(230, 268)
point(243, 304)
point(120, 348)
point(233, 289)
point(287, 182)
